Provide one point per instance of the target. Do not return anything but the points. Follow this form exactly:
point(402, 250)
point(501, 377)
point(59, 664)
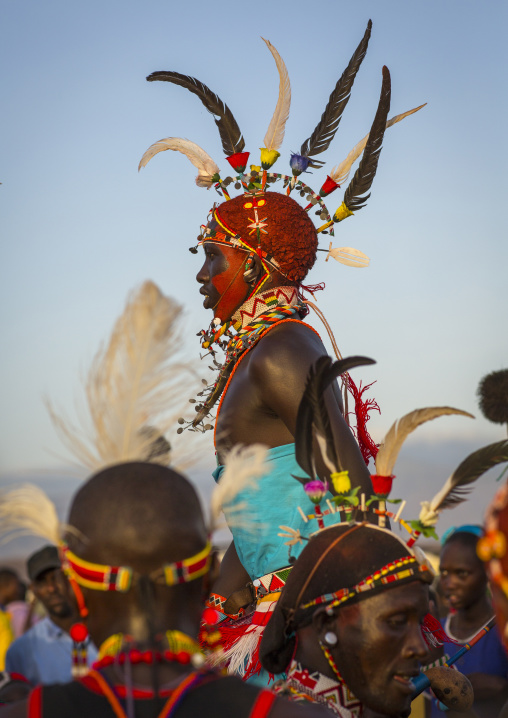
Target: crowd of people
point(318, 606)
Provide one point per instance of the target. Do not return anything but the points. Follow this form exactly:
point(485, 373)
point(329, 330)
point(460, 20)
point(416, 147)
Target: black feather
point(320, 139)
point(312, 412)
point(364, 175)
point(471, 469)
point(230, 134)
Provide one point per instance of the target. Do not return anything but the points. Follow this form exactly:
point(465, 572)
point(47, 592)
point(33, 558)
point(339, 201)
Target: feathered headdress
point(136, 387)
point(319, 141)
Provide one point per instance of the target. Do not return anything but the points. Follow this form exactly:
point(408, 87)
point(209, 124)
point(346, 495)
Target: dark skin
point(464, 583)
point(158, 498)
point(383, 633)
point(262, 400)
point(52, 590)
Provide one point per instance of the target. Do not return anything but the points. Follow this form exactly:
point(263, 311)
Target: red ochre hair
point(291, 236)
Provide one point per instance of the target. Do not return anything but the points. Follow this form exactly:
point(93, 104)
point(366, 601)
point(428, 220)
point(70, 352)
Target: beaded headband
point(100, 577)
point(403, 568)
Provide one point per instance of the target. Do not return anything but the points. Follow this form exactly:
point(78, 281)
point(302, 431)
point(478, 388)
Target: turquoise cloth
point(275, 503)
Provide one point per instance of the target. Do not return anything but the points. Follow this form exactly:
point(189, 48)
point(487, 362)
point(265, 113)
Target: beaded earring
point(330, 659)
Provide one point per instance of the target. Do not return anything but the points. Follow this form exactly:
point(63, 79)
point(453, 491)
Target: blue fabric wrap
point(274, 503)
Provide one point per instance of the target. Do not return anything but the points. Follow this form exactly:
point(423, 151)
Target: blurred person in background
point(44, 653)
point(13, 597)
point(464, 584)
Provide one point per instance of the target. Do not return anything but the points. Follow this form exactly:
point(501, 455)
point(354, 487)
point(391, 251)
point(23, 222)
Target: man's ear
point(253, 269)
point(322, 621)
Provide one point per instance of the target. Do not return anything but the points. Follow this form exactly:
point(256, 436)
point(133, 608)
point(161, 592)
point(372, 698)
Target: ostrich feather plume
point(27, 511)
point(454, 491)
point(275, 132)
point(400, 430)
point(136, 387)
point(199, 158)
point(230, 134)
point(340, 173)
point(244, 466)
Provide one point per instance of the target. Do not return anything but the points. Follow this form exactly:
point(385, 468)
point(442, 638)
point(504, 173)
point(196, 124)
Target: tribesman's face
point(380, 647)
point(222, 279)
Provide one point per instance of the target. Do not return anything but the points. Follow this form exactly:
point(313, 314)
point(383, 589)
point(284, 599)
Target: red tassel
point(362, 409)
point(434, 633)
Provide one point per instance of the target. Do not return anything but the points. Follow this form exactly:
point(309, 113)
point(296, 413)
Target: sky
point(80, 227)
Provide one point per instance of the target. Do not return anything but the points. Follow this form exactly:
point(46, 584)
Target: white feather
point(196, 154)
point(349, 256)
point(139, 383)
point(399, 431)
point(244, 465)
point(340, 173)
point(27, 511)
point(275, 132)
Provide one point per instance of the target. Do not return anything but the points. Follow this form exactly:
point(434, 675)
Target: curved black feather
point(320, 139)
point(312, 412)
point(230, 134)
point(364, 175)
point(471, 469)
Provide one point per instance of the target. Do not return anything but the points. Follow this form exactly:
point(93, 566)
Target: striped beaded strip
point(379, 578)
point(100, 577)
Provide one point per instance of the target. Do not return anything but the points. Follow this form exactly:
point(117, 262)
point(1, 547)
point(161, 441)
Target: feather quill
point(354, 196)
point(400, 430)
point(348, 256)
point(454, 490)
point(230, 134)
point(312, 418)
point(244, 466)
point(275, 132)
point(323, 134)
point(340, 173)
point(200, 159)
point(27, 511)
point(135, 386)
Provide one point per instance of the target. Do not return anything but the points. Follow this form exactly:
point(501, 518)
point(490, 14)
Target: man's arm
point(279, 368)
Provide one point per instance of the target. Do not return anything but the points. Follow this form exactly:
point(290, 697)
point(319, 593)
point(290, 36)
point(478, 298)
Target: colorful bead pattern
point(387, 574)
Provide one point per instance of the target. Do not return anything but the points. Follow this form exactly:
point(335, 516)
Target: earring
point(330, 638)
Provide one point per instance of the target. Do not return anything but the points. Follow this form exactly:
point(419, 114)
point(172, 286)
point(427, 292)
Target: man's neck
point(63, 623)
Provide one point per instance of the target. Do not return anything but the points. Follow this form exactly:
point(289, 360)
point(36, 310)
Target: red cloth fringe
point(310, 288)
point(434, 633)
point(363, 407)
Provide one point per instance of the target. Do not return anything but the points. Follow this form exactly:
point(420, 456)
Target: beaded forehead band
point(100, 577)
point(401, 569)
point(255, 182)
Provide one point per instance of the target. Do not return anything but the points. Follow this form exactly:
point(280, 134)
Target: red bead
point(135, 656)
point(183, 657)
point(78, 632)
point(210, 616)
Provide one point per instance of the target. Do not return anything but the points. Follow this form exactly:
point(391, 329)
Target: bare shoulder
point(288, 345)
point(288, 709)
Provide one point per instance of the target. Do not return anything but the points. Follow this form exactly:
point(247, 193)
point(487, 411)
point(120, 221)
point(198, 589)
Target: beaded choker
point(180, 648)
point(266, 309)
point(119, 578)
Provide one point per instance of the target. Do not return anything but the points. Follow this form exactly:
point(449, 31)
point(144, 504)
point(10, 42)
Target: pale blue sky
point(80, 227)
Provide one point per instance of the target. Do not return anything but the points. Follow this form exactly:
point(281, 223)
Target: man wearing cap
point(44, 653)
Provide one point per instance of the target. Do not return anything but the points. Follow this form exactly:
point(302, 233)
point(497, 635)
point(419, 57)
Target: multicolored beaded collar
point(302, 685)
point(100, 577)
